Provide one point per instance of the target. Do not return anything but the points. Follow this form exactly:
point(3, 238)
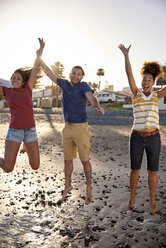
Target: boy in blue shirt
point(76, 132)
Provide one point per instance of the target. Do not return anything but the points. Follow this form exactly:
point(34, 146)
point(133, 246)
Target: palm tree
point(162, 79)
point(163, 71)
point(100, 73)
point(94, 86)
point(58, 69)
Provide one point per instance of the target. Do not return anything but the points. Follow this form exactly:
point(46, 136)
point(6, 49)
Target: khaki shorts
point(76, 136)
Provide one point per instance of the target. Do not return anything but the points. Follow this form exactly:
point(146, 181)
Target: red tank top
point(21, 107)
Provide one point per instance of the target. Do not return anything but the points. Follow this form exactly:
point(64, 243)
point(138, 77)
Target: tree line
point(58, 69)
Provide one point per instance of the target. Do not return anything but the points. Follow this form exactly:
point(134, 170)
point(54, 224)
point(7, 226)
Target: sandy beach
point(30, 216)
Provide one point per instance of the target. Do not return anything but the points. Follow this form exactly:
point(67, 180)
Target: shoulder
point(85, 87)
point(138, 94)
point(27, 87)
point(62, 82)
point(5, 83)
point(5, 89)
point(156, 93)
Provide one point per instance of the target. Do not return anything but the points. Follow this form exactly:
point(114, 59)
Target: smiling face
point(76, 76)
point(17, 80)
point(147, 83)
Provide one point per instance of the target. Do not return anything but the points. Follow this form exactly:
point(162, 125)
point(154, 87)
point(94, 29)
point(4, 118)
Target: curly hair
point(151, 67)
point(25, 73)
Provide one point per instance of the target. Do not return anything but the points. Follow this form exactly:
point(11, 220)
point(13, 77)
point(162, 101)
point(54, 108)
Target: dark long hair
point(26, 72)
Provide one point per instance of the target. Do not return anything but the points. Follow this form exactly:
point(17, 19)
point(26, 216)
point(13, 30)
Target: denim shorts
point(151, 145)
point(18, 135)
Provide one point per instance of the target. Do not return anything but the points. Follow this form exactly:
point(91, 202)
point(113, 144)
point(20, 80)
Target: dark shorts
point(151, 145)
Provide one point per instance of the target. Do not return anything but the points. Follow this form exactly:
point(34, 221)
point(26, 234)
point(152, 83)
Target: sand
point(30, 216)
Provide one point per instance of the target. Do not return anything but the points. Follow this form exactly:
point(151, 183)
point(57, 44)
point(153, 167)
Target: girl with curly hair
point(18, 96)
point(145, 134)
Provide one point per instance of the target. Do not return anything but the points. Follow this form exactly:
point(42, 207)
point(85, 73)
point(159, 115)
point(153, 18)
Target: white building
point(127, 90)
point(108, 87)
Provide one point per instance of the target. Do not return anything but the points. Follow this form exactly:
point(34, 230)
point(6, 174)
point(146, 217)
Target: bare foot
point(131, 205)
point(88, 195)
point(65, 192)
point(152, 208)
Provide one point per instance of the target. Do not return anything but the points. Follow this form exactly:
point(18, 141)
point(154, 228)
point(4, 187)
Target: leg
point(82, 140)
point(134, 175)
point(68, 169)
point(153, 152)
point(88, 174)
point(136, 154)
point(11, 151)
point(70, 151)
point(152, 181)
point(32, 150)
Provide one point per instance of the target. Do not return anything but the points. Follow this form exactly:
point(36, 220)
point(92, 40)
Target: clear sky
point(83, 32)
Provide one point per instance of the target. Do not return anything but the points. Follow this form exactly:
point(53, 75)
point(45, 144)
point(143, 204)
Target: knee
point(135, 172)
point(86, 163)
point(1, 161)
point(8, 169)
point(35, 166)
point(68, 162)
point(7, 166)
point(152, 173)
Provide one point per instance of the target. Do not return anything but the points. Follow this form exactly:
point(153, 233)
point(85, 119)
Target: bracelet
point(97, 107)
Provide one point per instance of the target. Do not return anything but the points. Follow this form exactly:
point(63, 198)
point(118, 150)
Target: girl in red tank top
point(22, 124)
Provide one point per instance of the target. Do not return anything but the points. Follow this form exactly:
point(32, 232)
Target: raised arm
point(161, 93)
point(48, 72)
point(94, 102)
point(129, 73)
point(5, 83)
point(34, 72)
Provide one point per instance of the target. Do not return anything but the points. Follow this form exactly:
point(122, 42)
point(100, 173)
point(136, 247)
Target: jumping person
point(145, 131)
point(22, 125)
point(76, 132)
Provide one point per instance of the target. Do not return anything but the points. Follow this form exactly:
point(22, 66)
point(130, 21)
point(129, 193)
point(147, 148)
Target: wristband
point(97, 107)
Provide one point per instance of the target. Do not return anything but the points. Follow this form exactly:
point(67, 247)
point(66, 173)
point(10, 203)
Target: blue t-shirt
point(74, 100)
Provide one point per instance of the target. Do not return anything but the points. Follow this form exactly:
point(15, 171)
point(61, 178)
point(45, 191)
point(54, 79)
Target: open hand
point(42, 45)
point(124, 49)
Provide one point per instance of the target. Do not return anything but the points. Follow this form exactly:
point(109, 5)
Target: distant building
point(46, 98)
point(160, 81)
point(109, 87)
point(106, 84)
point(122, 96)
point(127, 90)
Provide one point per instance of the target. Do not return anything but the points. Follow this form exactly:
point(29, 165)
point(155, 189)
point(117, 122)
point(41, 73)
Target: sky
point(85, 33)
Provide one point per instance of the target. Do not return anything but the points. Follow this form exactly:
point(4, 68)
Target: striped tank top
point(145, 111)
